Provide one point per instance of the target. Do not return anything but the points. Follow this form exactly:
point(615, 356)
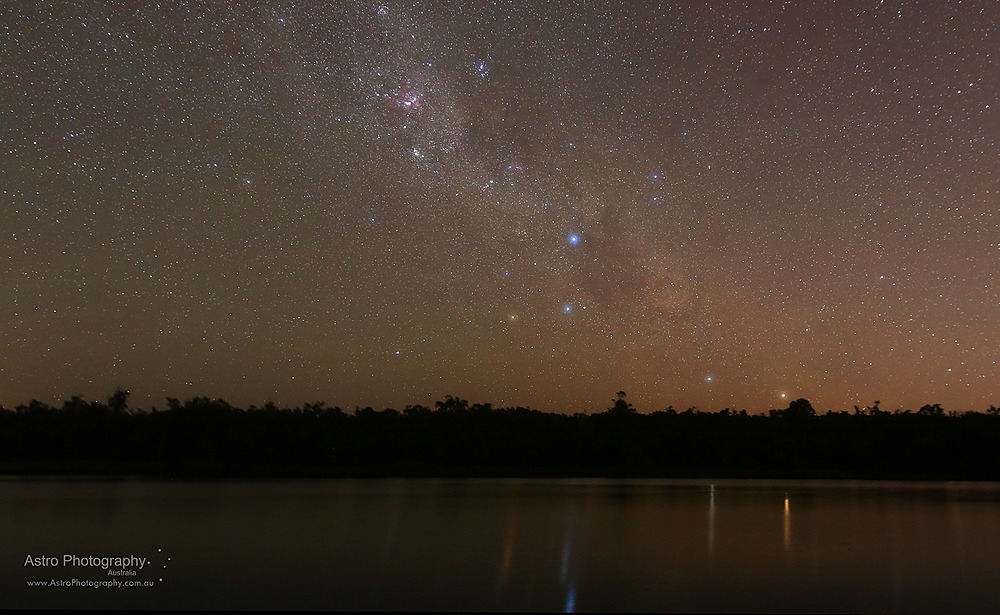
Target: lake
point(502, 545)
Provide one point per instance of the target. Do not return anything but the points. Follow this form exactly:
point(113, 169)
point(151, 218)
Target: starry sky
point(711, 204)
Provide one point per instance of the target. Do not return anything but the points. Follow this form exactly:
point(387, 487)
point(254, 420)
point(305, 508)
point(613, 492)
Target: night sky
point(711, 204)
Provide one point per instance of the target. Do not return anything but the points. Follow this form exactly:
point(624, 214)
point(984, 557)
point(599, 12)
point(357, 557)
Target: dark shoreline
point(208, 439)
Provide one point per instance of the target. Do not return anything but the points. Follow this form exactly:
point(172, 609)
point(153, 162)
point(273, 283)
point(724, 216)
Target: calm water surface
point(550, 545)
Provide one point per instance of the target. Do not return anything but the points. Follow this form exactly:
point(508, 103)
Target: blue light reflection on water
point(570, 600)
point(568, 580)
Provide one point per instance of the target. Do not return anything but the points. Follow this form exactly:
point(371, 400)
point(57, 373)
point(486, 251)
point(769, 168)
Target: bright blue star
point(514, 168)
point(568, 308)
point(573, 239)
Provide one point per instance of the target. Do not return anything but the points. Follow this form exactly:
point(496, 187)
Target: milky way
point(524, 203)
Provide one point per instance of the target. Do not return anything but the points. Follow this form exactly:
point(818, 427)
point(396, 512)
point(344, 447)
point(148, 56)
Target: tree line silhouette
point(208, 437)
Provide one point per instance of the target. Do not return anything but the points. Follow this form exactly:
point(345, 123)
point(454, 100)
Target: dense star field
point(530, 203)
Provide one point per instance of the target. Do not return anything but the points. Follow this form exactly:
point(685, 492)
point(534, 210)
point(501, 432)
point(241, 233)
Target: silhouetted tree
point(417, 411)
point(118, 402)
point(620, 407)
point(452, 405)
point(800, 408)
point(931, 410)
